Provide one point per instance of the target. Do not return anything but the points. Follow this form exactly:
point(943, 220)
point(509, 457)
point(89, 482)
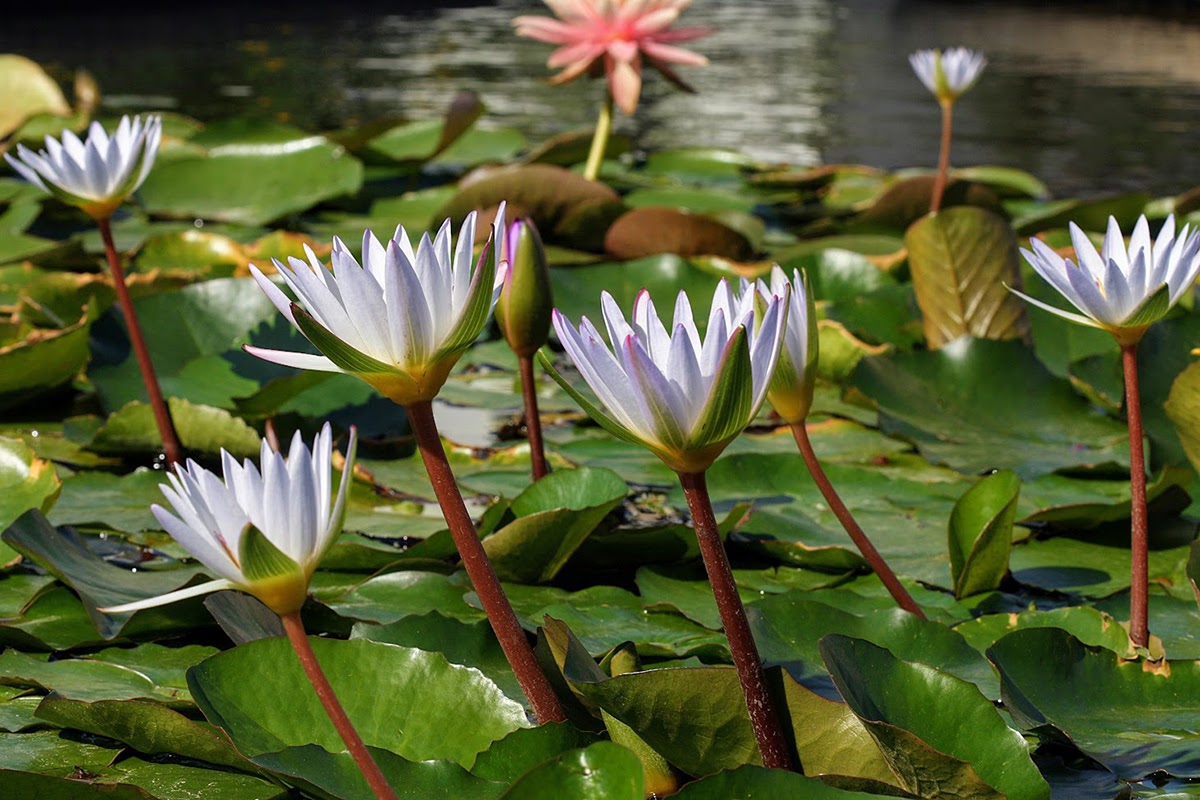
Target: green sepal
point(476, 309)
point(731, 401)
point(603, 420)
point(260, 560)
point(1151, 310)
point(343, 355)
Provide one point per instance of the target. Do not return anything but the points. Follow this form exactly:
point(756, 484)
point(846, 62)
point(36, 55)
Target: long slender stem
point(591, 170)
point(533, 422)
point(1139, 621)
point(764, 717)
point(939, 183)
point(894, 587)
point(162, 417)
point(479, 569)
point(337, 714)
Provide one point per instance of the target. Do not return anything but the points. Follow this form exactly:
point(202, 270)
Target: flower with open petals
point(399, 321)
point(1120, 289)
point(617, 34)
point(95, 175)
point(263, 532)
point(681, 397)
point(791, 389)
point(948, 74)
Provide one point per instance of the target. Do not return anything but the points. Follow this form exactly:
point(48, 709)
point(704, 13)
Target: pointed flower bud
point(402, 319)
point(98, 174)
point(682, 398)
point(791, 390)
point(526, 301)
point(1122, 289)
point(262, 532)
point(948, 74)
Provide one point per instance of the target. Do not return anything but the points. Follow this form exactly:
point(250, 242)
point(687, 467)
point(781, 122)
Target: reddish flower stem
point(533, 422)
point(162, 417)
point(939, 183)
point(894, 587)
point(513, 641)
point(764, 717)
point(337, 715)
point(1139, 622)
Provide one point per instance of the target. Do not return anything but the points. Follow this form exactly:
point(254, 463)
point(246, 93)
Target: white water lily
point(948, 73)
point(98, 174)
point(399, 321)
point(1122, 289)
point(262, 532)
point(791, 389)
point(682, 397)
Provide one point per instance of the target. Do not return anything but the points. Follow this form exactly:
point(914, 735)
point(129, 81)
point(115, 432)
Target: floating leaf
point(961, 260)
point(1090, 626)
point(26, 481)
point(27, 90)
point(907, 201)
point(602, 771)
point(1134, 717)
point(981, 529)
point(655, 229)
point(41, 362)
point(201, 429)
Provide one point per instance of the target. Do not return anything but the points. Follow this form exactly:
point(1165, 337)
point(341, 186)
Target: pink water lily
point(615, 34)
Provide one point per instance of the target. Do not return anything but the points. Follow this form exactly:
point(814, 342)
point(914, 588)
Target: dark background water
point(1093, 97)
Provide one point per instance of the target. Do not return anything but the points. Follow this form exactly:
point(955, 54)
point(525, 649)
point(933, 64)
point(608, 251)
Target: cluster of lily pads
point(983, 448)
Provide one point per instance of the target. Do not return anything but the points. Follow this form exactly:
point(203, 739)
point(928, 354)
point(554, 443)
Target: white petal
point(289, 359)
point(170, 597)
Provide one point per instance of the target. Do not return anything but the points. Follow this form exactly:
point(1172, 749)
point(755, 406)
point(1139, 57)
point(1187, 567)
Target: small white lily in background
point(399, 321)
point(1120, 289)
point(683, 398)
point(262, 532)
point(791, 389)
point(948, 73)
point(98, 174)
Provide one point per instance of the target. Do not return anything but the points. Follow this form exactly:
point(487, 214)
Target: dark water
point(1092, 97)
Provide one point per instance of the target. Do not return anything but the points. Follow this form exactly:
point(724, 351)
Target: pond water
point(1093, 97)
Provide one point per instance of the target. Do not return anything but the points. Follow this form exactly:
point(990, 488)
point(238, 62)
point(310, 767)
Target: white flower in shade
point(791, 389)
point(950, 73)
point(682, 397)
point(1120, 289)
point(399, 321)
point(97, 174)
point(263, 532)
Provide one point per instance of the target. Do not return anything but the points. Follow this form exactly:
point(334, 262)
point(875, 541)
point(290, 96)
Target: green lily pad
point(759, 783)
point(26, 482)
point(1090, 626)
point(1090, 569)
point(1091, 215)
point(925, 720)
point(272, 170)
point(980, 405)
point(981, 532)
point(1091, 696)
point(602, 771)
point(27, 91)
point(42, 361)
point(258, 695)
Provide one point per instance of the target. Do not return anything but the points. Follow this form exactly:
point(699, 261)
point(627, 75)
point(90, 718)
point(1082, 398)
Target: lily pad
point(981, 531)
point(651, 230)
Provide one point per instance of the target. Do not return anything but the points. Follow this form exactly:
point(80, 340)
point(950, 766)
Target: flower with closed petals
point(791, 390)
point(523, 310)
point(948, 74)
point(401, 319)
point(1122, 289)
point(95, 175)
point(682, 397)
point(261, 530)
point(616, 34)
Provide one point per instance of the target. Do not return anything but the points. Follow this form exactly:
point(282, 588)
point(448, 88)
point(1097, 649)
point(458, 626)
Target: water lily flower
point(98, 174)
point(683, 398)
point(262, 531)
point(399, 321)
point(791, 389)
point(615, 34)
point(950, 73)
point(1120, 289)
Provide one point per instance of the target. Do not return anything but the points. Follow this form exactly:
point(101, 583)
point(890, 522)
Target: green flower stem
point(894, 587)
point(337, 715)
point(600, 140)
point(500, 614)
point(162, 417)
point(533, 422)
point(939, 183)
point(1139, 624)
point(764, 717)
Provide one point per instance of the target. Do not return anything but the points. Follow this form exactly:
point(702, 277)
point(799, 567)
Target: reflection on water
point(1090, 99)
